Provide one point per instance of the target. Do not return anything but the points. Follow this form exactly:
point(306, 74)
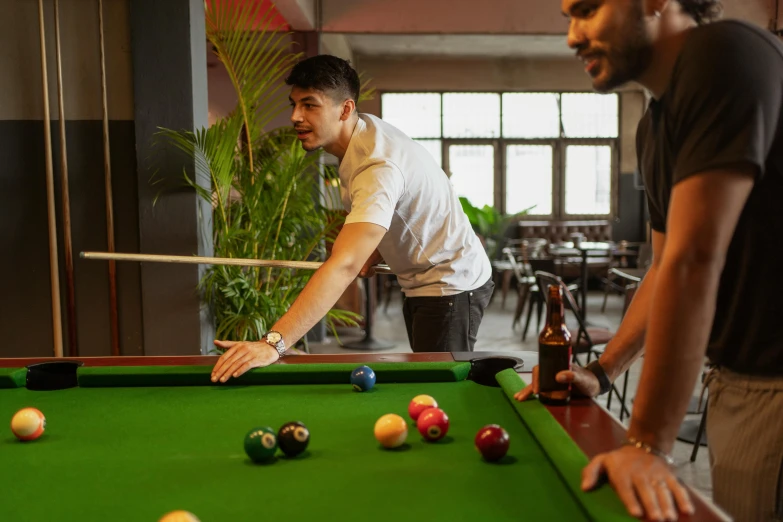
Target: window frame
point(560, 144)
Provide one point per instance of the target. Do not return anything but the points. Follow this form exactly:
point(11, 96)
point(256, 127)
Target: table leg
point(369, 342)
point(583, 290)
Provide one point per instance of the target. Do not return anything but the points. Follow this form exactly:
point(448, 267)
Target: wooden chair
point(614, 283)
point(535, 297)
point(519, 268)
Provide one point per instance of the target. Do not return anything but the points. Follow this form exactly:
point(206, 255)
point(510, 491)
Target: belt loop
point(712, 373)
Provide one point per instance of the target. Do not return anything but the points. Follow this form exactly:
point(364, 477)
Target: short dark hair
point(326, 73)
point(703, 11)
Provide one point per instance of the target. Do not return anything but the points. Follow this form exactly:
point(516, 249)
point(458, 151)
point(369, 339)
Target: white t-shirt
point(390, 180)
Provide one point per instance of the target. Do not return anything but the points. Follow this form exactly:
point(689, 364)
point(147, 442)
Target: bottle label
point(551, 361)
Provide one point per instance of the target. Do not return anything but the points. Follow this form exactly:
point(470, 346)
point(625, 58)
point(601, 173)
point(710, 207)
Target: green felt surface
point(12, 377)
point(134, 453)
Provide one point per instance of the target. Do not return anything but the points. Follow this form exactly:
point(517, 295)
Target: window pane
point(415, 114)
point(529, 179)
point(434, 147)
point(471, 115)
point(534, 115)
point(588, 182)
point(473, 173)
point(590, 115)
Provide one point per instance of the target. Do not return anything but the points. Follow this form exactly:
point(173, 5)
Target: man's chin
point(310, 147)
point(605, 84)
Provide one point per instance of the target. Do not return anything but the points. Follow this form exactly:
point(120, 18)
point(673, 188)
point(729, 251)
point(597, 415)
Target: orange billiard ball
point(28, 424)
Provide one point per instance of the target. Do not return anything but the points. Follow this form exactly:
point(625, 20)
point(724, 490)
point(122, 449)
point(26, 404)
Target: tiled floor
point(496, 335)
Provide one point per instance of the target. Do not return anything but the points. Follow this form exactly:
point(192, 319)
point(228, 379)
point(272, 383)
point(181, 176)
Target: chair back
point(645, 258)
point(544, 280)
point(517, 267)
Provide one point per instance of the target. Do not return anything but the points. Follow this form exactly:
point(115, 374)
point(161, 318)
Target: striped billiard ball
point(28, 424)
point(391, 430)
point(420, 403)
point(433, 424)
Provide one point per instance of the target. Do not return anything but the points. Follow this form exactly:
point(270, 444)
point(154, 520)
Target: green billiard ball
point(260, 444)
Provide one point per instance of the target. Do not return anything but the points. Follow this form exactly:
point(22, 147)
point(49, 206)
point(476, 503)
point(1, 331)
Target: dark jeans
point(446, 323)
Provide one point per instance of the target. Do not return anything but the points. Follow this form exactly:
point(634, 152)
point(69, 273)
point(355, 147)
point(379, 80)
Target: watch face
point(274, 337)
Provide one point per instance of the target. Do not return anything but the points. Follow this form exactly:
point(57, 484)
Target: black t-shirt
point(723, 108)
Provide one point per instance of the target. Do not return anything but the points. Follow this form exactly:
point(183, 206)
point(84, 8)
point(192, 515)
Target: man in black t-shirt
point(710, 150)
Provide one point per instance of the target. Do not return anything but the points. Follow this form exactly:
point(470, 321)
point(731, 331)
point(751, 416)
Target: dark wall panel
point(25, 313)
point(629, 225)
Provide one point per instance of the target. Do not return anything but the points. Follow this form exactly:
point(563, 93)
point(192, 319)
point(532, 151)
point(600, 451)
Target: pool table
point(132, 438)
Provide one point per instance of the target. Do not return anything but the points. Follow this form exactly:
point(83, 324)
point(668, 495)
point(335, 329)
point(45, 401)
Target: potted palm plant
point(267, 194)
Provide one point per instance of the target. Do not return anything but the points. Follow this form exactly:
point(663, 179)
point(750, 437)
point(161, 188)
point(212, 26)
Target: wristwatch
point(275, 340)
point(596, 369)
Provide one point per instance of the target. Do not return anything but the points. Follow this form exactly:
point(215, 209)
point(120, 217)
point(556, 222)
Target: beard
point(629, 55)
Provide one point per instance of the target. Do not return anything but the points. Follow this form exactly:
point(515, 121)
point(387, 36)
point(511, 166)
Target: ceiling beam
point(300, 14)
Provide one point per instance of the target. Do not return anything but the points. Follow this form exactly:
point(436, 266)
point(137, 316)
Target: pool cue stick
point(67, 240)
point(113, 315)
point(54, 276)
point(159, 258)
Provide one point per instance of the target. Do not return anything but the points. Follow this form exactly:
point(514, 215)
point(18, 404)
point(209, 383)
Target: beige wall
point(759, 12)
point(486, 17)
point(223, 98)
point(20, 60)
point(443, 16)
point(433, 74)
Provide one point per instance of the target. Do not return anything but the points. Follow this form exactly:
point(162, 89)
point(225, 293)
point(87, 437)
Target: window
point(529, 179)
point(472, 172)
point(549, 154)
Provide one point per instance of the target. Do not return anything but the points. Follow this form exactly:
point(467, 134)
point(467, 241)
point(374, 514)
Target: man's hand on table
point(240, 357)
point(584, 383)
point(644, 482)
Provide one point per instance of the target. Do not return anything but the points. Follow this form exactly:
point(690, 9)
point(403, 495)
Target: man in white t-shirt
point(402, 209)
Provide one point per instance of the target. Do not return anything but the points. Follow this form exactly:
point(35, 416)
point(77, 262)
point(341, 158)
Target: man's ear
point(656, 7)
point(348, 107)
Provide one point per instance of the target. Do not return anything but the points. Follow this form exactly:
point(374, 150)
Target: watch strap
point(596, 369)
point(279, 346)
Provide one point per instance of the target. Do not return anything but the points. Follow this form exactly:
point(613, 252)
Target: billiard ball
point(420, 403)
point(433, 424)
point(363, 378)
point(179, 516)
point(28, 424)
point(260, 444)
point(391, 430)
point(293, 438)
point(492, 442)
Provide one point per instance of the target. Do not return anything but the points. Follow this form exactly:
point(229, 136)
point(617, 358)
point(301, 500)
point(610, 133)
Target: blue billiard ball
point(362, 378)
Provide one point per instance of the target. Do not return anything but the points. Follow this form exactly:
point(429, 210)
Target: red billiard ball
point(433, 424)
point(492, 442)
point(420, 403)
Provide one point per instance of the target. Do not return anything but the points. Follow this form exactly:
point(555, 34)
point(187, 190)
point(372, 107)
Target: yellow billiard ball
point(391, 430)
point(179, 516)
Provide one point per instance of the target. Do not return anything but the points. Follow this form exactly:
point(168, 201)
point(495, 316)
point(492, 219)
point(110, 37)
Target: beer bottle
point(554, 351)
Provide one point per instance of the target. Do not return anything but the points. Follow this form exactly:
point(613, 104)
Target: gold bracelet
point(632, 441)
